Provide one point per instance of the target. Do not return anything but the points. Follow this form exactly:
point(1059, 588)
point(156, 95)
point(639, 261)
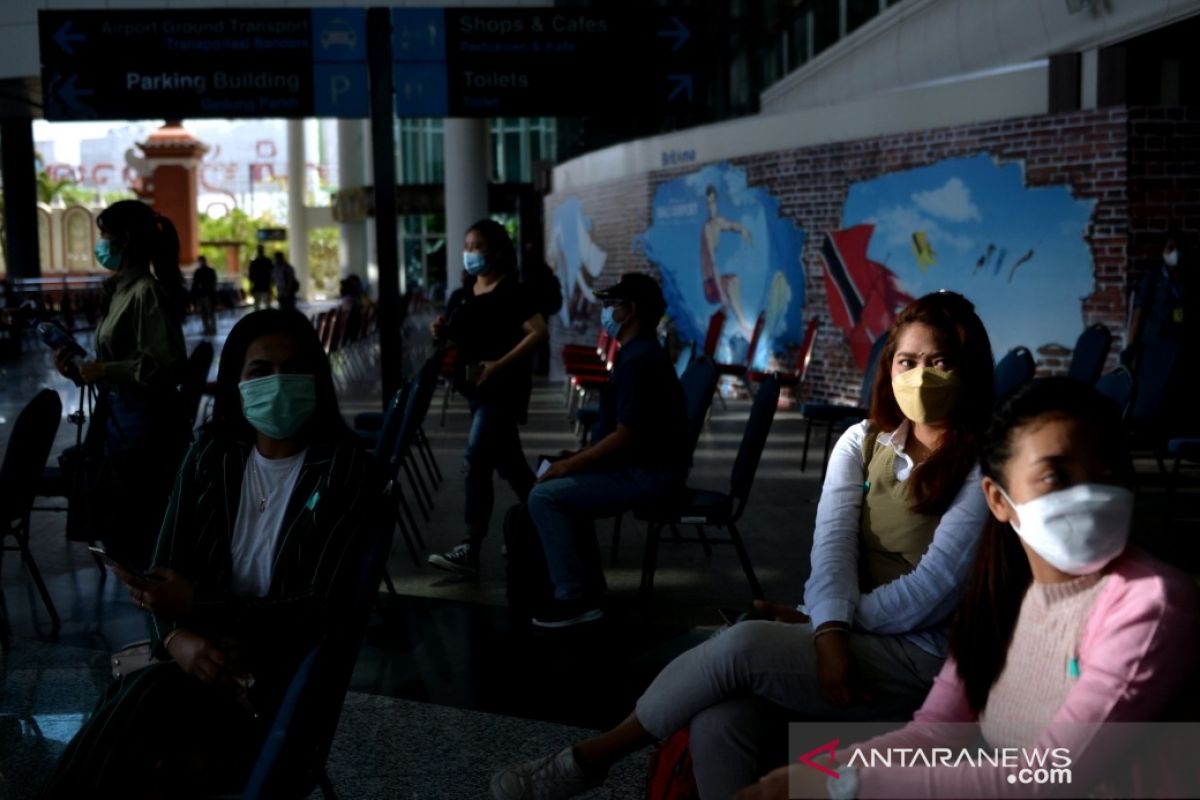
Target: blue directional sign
point(229, 62)
point(418, 34)
point(421, 90)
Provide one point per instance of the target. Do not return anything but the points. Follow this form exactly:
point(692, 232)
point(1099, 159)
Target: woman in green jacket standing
point(139, 433)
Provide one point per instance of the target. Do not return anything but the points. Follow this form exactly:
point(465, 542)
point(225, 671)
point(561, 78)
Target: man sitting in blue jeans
point(639, 453)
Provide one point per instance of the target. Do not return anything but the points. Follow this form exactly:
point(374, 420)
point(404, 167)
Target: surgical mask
point(1171, 259)
point(1076, 530)
point(609, 322)
point(278, 405)
point(926, 395)
point(474, 262)
point(104, 254)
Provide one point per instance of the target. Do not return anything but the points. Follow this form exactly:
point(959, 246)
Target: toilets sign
point(204, 63)
point(462, 62)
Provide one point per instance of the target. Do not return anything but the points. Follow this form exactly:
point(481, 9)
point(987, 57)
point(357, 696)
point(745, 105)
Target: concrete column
point(352, 174)
point(465, 144)
point(1089, 78)
point(297, 226)
point(20, 199)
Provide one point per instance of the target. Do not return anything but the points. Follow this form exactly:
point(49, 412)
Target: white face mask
point(1077, 530)
point(1171, 259)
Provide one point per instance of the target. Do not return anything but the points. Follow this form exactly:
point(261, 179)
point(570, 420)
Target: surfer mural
point(578, 262)
point(719, 244)
point(970, 225)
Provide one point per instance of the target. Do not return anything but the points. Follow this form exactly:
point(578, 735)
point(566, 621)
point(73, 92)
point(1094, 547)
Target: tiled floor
point(446, 689)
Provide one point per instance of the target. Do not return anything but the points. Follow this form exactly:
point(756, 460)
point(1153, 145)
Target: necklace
point(262, 493)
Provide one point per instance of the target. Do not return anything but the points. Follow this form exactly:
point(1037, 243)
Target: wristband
point(167, 639)
point(823, 631)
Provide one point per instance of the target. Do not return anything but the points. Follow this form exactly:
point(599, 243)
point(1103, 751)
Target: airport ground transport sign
point(238, 63)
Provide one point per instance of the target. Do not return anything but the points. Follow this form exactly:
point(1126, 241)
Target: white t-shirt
point(267, 486)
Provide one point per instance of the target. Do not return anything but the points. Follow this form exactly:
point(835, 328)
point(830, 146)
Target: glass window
point(823, 17)
point(859, 11)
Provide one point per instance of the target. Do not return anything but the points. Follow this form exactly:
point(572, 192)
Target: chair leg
point(707, 545)
point(828, 441)
point(616, 540)
point(408, 541)
point(387, 581)
point(755, 589)
point(804, 450)
point(412, 483)
point(429, 449)
point(421, 445)
point(408, 515)
point(675, 534)
point(22, 537)
point(416, 471)
point(649, 560)
point(445, 405)
point(99, 563)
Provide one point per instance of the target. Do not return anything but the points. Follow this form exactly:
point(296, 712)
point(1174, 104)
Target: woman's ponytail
point(164, 255)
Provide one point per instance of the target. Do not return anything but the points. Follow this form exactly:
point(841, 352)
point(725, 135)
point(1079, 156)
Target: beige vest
point(892, 537)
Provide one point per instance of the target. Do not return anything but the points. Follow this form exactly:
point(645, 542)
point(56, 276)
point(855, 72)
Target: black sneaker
point(567, 613)
point(462, 559)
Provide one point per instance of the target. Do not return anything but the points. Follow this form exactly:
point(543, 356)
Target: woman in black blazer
point(269, 522)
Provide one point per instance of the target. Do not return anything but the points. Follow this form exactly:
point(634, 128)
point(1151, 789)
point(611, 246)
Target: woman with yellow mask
point(897, 527)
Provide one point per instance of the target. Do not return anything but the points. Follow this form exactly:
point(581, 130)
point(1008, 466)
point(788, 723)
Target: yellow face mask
point(926, 395)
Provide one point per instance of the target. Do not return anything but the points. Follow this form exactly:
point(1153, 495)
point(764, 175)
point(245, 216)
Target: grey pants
point(728, 688)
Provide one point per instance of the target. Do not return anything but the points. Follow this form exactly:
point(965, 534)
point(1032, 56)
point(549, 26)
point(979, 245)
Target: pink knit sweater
point(1136, 651)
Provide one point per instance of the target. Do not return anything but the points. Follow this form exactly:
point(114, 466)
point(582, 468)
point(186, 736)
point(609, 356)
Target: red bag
point(670, 774)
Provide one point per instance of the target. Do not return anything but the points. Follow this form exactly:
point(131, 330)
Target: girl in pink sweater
point(1063, 626)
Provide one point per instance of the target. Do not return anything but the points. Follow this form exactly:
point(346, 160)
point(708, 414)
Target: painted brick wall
point(1139, 192)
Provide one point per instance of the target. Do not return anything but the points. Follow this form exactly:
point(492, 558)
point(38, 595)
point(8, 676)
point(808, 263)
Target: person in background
point(140, 430)
point(259, 555)
point(260, 279)
point(283, 276)
point(639, 453)
point(1064, 625)
point(1160, 304)
point(496, 329)
point(204, 295)
point(898, 522)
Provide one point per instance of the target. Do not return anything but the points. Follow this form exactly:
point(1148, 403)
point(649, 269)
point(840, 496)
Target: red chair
point(795, 378)
point(715, 323)
point(739, 370)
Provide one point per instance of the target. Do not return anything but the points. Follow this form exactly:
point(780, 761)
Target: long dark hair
point(147, 237)
point(228, 420)
point(936, 481)
point(502, 254)
point(983, 626)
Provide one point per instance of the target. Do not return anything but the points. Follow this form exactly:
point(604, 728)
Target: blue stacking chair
point(702, 507)
point(1015, 369)
point(1117, 386)
point(292, 760)
point(28, 448)
point(833, 415)
point(699, 383)
point(1091, 351)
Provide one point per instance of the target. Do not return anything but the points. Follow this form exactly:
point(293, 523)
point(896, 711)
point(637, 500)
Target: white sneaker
point(548, 778)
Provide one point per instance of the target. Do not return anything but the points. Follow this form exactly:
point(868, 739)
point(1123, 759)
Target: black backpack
point(529, 587)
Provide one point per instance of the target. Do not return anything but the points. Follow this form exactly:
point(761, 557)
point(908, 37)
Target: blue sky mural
point(971, 225)
point(720, 244)
point(577, 260)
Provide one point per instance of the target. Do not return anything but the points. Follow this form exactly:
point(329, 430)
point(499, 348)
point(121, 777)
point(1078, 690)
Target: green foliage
point(49, 188)
point(323, 260)
point(236, 226)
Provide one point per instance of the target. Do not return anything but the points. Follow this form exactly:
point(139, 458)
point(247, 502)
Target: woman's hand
point(65, 366)
point(837, 671)
point(200, 658)
point(168, 594)
point(780, 612)
point(796, 780)
point(486, 368)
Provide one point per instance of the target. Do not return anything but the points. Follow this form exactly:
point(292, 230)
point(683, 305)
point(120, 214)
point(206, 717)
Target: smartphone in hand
point(100, 551)
point(543, 466)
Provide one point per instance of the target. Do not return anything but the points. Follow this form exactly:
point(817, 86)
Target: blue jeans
point(564, 509)
point(494, 444)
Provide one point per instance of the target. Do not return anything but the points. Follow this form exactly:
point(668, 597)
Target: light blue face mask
point(104, 254)
point(474, 262)
point(277, 406)
point(609, 322)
